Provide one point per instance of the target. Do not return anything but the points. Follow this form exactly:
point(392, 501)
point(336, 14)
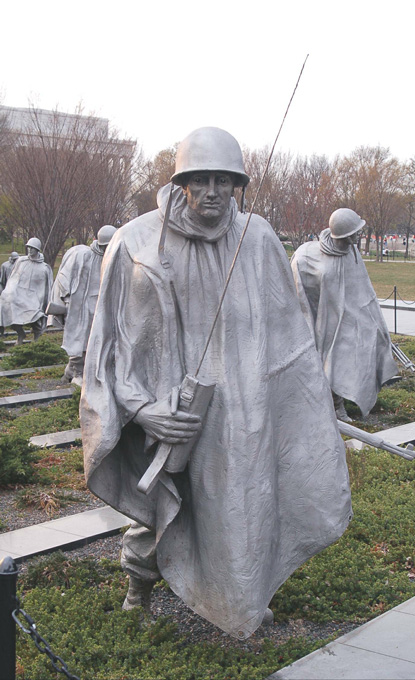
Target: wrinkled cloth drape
point(77, 286)
point(342, 311)
point(25, 298)
point(267, 484)
point(5, 271)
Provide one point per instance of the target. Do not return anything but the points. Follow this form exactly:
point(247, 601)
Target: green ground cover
point(369, 570)
point(46, 351)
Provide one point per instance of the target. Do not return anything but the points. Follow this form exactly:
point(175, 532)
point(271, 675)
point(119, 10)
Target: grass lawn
point(386, 275)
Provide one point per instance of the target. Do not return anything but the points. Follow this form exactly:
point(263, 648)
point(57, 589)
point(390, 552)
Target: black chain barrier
point(57, 662)
point(384, 299)
point(404, 301)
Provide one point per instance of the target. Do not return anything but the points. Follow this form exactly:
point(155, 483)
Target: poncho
point(27, 293)
point(266, 486)
point(77, 286)
point(341, 308)
point(5, 271)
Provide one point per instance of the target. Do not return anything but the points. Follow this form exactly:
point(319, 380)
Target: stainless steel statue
point(74, 298)
point(343, 313)
point(6, 269)
point(25, 298)
point(266, 486)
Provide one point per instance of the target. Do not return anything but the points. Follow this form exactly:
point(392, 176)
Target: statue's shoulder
point(307, 249)
point(139, 232)
point(76, 252)
point(259, 232)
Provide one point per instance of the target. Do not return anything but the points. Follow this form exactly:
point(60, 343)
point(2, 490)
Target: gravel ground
point(26, 384)
point(13, 517)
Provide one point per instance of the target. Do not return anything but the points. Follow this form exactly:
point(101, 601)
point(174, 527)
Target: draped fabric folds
point(342, 311)
point(25, 298)
point(77, 286)
point(267, 484)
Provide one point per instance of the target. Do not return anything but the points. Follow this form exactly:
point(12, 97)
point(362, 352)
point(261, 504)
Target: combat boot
point(139, 594)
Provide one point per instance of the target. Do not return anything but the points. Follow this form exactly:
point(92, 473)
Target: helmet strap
point(243, 206)
point(162, 255)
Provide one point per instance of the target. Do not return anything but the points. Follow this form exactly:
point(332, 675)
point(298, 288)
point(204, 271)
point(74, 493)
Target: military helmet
point(210, 149)
point(105, 234)
point(34, 243)
point(14, 255)
point(345, 222)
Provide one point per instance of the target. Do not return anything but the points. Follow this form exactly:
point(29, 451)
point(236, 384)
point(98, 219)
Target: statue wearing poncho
point(266, 486)
point(25, 298)
point(76, 286)
point(343, 313)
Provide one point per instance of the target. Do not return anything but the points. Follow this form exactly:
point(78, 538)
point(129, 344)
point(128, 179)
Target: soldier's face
point(209, 194)
point(32, 252)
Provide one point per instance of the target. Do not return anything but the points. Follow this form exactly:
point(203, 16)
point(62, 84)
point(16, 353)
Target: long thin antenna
point(228, 278)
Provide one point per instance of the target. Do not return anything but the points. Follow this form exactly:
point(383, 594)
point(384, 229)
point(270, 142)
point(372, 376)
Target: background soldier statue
point(6, 269)
point(24, 300)
point(343, 313)
point(76, 287)
point(266, 485)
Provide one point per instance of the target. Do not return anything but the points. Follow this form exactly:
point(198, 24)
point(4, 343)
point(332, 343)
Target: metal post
point(395, 312)
point(8, 580)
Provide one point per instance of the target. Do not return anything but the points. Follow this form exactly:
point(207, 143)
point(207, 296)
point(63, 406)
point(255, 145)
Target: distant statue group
point(263, 483)
point(29, 297)
point(26, 292)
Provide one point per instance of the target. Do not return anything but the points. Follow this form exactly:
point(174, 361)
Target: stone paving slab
point(16, 372)
point(11, 343)
point(380, 649)
point(20, 399)
point(405, 320)
point(65, 532)
point(402, 434)
point(56, 438)
point(399, 435)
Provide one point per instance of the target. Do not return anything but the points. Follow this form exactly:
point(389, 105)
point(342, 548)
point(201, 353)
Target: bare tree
point(275, 188)
point(379, 178)
point(62, 175)
point(311, 198)
point(408, 203)
point(150, 176)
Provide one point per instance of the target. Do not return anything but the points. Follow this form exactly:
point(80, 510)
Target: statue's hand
point(158, 421)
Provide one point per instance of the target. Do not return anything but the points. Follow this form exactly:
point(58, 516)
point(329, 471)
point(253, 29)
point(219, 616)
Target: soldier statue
point(266, 485)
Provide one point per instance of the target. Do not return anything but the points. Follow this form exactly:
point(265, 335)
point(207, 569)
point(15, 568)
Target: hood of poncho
point(328, 244)
point(96, 248)
point(37, 260)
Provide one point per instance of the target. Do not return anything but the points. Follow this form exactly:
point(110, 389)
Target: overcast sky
point(160, 69)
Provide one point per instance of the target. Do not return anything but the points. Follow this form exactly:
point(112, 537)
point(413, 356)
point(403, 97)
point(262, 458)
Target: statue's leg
point(268, 617)
point(339, 407)
point(74, 370)
point(38, 328)
point(68, 372)
point(138, 559)
point(20, 333)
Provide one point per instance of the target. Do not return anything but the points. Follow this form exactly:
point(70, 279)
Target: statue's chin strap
point(243, 199)
point(162, 255)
